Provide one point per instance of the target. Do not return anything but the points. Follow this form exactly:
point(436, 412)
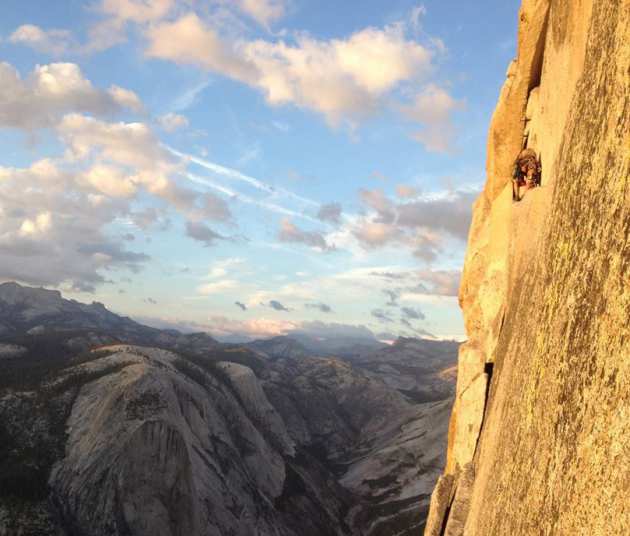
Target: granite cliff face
point(539, 438)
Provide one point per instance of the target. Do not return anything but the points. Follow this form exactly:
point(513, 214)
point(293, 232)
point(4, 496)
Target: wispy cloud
point(188, 97)
point(291, 233)
point(217, 287)
point(171, 122)
point(250, 154)
point(54, 41)
point(223, 267)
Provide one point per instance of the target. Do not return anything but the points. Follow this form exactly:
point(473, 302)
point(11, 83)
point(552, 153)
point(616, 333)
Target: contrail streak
point(278, 209)
point(237, 175)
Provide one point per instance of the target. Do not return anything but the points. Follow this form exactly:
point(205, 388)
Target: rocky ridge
point(414, 367)
point(38, 311)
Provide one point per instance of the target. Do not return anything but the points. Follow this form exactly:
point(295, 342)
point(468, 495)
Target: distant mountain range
point(111, 427)
point(420, 369)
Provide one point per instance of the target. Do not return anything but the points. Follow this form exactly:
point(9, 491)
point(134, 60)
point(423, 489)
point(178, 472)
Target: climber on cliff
point(526, 172)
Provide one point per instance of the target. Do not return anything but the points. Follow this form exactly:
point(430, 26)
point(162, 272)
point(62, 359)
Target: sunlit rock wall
point(539, 439)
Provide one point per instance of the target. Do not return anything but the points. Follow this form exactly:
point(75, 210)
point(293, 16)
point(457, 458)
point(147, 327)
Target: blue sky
point(249, 167)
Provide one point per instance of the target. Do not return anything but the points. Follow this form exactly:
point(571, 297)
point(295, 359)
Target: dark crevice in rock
point(447, 513)
point(488, 369)
point(537, 61)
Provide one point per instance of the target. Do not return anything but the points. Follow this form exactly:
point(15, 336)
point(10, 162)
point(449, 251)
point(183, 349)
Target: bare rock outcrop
point(149, 452)
point(538, 437)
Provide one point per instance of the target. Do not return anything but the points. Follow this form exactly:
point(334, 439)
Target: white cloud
point(224, 328)
point(126, 98)
point(55, 42)
point(172, 121)
point(263, 328)
point(404, 191)
point(52, 90)
point(258, 328)
point(433, 108)
point(109, 31)
point(416, 15)
point(58, 236)
point(140, 11)
point(40, 224)
point(104, 35)
point(344, 79)
point(190, 40)
point(378, 201)
point(374, 234)
point(264, 12)
point(112, 30)
point(61, 235)
point(118, 13)
point(432, 105)
point(110, 181)
point(223, 267)
point(130, 145)
point(217, 287)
